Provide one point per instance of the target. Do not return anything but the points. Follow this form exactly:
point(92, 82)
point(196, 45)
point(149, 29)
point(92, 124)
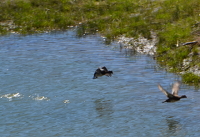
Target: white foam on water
point(37, 97)
point(10, 96)
point(66, 101)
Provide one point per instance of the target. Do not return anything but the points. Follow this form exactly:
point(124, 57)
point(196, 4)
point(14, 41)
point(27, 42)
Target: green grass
point(190, 78)
point(172, 20)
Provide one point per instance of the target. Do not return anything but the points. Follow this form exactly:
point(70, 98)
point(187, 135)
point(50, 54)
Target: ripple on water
point(10, 96)
point(66, 101)
point(37, 97)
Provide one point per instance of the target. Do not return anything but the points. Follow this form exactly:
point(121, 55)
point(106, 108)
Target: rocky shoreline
point(141, 45)
point(148, 46)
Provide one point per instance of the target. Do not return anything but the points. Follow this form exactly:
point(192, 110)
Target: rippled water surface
point(47, 90)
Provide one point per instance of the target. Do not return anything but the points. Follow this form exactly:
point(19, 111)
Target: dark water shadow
point(104, 108)
point(174, 127)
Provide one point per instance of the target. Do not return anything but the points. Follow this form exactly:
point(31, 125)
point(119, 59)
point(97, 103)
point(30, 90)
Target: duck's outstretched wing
point(175, 88)
point(98, 70)
point(104, 69)
point(169, 95)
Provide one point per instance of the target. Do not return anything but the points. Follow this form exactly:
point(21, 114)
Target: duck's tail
point(109, 73)
point(164, 101)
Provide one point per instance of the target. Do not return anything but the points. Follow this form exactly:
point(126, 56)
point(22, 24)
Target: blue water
point(47, 90)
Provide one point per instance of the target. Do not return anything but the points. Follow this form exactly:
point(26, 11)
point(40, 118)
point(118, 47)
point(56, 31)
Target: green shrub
point(191, 78)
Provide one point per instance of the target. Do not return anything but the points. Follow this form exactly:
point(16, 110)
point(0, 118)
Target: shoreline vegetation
point(173, 23)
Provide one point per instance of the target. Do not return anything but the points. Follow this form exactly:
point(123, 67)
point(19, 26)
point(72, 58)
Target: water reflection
point(104, 108)
point(174, 126)
point(128, 51)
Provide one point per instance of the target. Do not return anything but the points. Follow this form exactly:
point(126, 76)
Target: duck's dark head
point(183, 96)
point(94, 77)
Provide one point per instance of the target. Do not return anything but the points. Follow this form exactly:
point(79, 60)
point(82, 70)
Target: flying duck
point(102, 71)
point(172, 97)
